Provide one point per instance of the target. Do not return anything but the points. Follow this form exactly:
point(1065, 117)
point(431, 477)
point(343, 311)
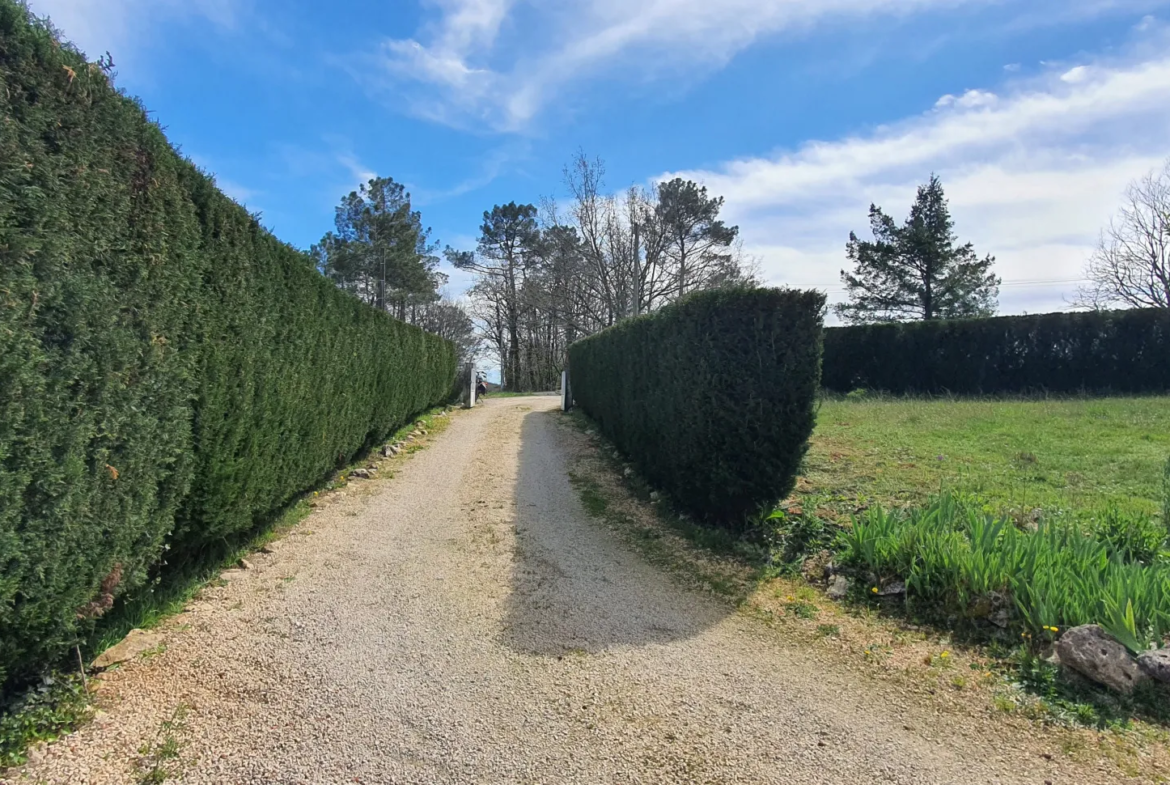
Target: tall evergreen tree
point(916, 271)
point(697, 242)
point(508, 242)
point(380, 250)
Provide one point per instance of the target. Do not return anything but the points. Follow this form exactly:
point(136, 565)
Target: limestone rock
point(1156, 664)
point(1093, 653)
point(134, 644)
point(839, 588)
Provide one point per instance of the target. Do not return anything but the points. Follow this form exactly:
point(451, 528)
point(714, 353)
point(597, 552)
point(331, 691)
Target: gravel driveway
point(467, 622)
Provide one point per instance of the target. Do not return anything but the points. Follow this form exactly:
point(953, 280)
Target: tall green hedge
point(712, 398)
point(170, 373)
point(1095, 352)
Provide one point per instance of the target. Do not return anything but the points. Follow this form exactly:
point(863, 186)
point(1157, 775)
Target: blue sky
point(1036, 113)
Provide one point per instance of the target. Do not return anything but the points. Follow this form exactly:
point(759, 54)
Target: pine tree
point(380, 251)
point(916, 271)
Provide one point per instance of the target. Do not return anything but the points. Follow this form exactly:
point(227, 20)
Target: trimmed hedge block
point(170, 373)
point(1095, 352)
point(712, 398)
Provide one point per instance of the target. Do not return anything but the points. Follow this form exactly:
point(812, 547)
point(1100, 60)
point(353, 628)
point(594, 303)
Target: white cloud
point(123, 27)
point(497, 63)
point(465, 72)
point(241, 193)
point(972, 99)
point(360, 173)
point(1031, 173)
point(1074, 75)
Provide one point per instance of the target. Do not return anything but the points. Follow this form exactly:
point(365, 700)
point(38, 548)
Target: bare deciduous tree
point(1131, 265)
point(607, 257)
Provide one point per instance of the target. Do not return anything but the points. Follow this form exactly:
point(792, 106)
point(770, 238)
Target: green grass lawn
point(1072, 456)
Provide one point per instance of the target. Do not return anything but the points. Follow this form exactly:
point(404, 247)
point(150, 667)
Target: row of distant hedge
point(712, 398)
point(1094, 352)
point(170, 373)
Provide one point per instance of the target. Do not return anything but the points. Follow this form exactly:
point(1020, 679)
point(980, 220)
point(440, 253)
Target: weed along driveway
point(466, 620)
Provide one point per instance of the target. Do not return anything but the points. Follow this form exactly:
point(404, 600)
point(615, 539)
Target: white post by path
point(565, 398)
point(471, 385)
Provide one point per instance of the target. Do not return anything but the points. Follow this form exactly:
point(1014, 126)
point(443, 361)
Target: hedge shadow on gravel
point(577, 589)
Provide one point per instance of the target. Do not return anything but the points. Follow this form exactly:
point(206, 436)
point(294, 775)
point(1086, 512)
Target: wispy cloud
point(360, 173)
point(502, 159)
point(241, 193)
point(332, 160)
point(498, 63)
point(467, 70)
point(125, 27)
point(1033, 170)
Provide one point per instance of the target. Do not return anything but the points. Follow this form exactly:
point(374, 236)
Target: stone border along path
point(467, 622)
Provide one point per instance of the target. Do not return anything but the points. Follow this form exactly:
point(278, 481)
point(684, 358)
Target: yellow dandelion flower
point(945, 654)
point(874, 590)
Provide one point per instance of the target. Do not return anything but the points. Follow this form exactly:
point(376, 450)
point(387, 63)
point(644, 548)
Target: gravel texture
point(466, 622)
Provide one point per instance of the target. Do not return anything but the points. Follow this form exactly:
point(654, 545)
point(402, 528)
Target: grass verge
point(56, 706)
